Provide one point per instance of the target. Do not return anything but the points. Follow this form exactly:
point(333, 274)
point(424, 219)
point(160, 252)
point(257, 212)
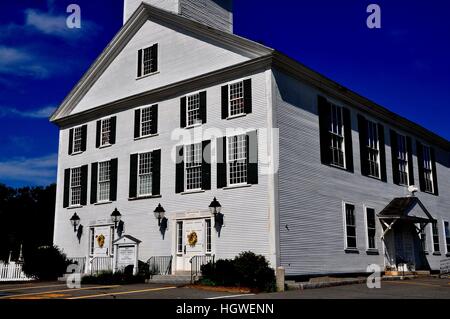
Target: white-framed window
point(435, 237)
point(75, 186)
point(146, 121)
point(337, 136)
point(104, 181)
point(208, 236)
point(423, 237)
point(180, 237)
point(402, 159)
point(91, 241)
point(193, 166)
point(145, 174)
point(105, 132)
point(350, 226)
point(236, 99)
point(371, 228)
point(193, 109)
point(77, 139)
point(148, 61)
point(237, 159)
point(373, 149)
point(427, 169)
point(447, 236)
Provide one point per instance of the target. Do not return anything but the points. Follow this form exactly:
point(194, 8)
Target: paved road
point(431, 288)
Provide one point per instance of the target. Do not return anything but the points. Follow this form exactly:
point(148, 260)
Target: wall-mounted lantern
point(75, 221)
point(159, 214)
point(116, 217)
point(215, 207)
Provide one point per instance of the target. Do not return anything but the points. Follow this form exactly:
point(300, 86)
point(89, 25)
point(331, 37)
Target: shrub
point(45, 263)
point(221, 273)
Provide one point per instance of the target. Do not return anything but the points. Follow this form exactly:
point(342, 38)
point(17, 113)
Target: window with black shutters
point(402, 165)
point(193, 166)
point(337, 136)
point(371, 228)
point(237, 99)
point(350, 226)
point(148, 60)
point(75, 186)
point(146, 121)
point(427, 169)
point(435, 237)
point(373, 149)
point(402, 158)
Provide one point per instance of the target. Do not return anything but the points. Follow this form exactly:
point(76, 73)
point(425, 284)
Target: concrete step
point(170, 279)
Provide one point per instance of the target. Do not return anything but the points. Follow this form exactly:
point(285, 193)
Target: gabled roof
point(401, 208)
point(128, 238)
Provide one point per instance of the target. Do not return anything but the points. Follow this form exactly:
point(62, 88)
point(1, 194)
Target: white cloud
point(41, 113)
point(19, 62)
point(35, 171)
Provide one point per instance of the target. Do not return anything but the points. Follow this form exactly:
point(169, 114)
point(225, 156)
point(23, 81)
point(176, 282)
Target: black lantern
point(75, 221)
point(159, 213)
point(115, 217)
point(215, 207)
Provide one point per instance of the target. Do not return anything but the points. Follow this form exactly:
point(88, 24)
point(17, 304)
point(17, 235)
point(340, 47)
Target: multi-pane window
point(373, 150)
point(208, 235)
point(105, 132)
point(193, 110)
point(427, 169)
point(77, 139)
point(350, 226)
point(180, 237)
point(148, 61)
point(447, 236)
point(145, 174)
point(146, 121)
point(423, 237)
point(237, 159)
point(402, 159)
point(371, 228)
point(91, 241)
point(104, 181)
point(337, 136)
point(435, 236)
point(75, 186)
point(237, 99)
point(193, 166)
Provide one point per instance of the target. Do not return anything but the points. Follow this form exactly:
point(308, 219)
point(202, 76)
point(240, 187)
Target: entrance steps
point(178, 280)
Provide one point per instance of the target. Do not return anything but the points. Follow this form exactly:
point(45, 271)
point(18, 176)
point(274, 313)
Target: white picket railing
point(101, 264)
point(12, 272)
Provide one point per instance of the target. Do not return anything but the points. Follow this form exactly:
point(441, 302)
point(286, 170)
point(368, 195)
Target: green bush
point(45, 263)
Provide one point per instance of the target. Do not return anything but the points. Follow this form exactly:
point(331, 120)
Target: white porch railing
point(12, 272)
point(100, 264)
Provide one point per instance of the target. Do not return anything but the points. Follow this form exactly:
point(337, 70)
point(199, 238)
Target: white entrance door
point(102, 241)
point(194, 241)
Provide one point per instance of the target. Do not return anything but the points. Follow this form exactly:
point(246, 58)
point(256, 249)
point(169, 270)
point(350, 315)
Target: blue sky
point(404, 66)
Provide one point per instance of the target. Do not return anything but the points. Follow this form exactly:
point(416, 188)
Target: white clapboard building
point(177, 110)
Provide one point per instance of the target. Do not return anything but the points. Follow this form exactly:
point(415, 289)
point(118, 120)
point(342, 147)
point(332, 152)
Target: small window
point(75, 186)
point(435, 233)
point(193, 166)
point(423, 237)
point(373, 149)
point(146, 121)
point(350, 226)
point(208, 235)
point(236, 99)
point(371, 228)
point(237, 159)
point(149, 60)
point(427, 169)
point(337, 136)
point(179, 237)
point(91, 241)
point(77, 139)
point(193, 110)
point(104, 181)
point(447, 236)
point(105, 132)
point(145, 174)
point(402, 158)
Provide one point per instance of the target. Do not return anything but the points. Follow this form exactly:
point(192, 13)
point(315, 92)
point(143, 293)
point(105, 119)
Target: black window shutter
point(179, 170)
point(83, 138)
point(225, 98)
point(139, 66)
point(394, 155)
point(66, 188)
point(206, 165)
point(324, 111)
point(71, 141)
point(382, 152)
point(348, 139)
point(410, 161)
point(421, 168)
point(133, 175)
point(154, 115)
point(113, 187)
point(156, 172)
point(113, 129)
point(252, 157)
point(94, 174)
point(362, 128)
point(221, 162)
point(433, 166)
point(248, 96)
point(155, 58)
point(98, 133)
point(137, 123)
point(84, 185)
point(183, 112)
point(203, 110)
